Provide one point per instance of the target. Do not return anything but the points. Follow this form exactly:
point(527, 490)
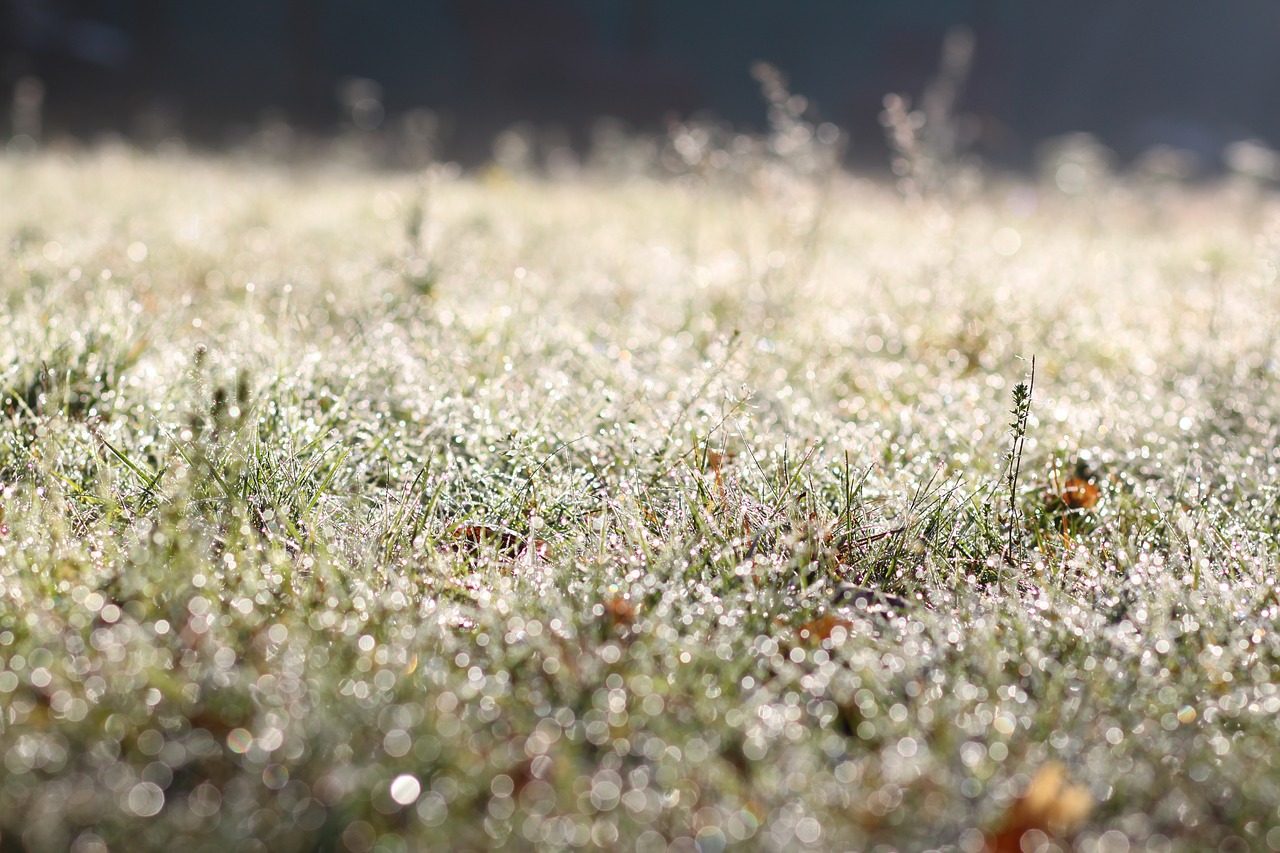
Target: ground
point(363, 510)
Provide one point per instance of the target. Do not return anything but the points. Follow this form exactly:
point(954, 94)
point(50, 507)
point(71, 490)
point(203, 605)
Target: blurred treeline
point(1188, 73)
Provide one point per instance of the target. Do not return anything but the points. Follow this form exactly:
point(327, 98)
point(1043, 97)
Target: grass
point(374, 511)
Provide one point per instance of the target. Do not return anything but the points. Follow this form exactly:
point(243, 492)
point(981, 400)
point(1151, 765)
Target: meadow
point(710, 507)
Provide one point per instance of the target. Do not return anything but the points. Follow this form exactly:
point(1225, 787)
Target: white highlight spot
point(405, 789)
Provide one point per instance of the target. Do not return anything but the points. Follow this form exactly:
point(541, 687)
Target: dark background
point(1194, 74)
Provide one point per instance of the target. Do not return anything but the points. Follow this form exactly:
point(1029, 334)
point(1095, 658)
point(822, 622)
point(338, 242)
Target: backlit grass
point(363, 511)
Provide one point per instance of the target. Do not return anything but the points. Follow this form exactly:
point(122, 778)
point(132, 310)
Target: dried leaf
point(1078, 493)
point(506, 541)
point(1052, 806)
point(826, 627)
point(620, 613)
point(536, 551)
point(715, 460)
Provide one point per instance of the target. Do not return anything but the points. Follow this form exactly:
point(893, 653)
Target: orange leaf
point(1078, 493)
point(821, 629)
point(537, 550)
point(620, 613)
point(1052, 805)
point(479, 534)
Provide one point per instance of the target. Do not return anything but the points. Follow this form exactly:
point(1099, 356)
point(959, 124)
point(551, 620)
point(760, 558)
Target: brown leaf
point(1078, 493)
point(506, 541)
point(536, 551)
point(1052, 805)
point(620, 613)
point(715, 460)
point(826, 627)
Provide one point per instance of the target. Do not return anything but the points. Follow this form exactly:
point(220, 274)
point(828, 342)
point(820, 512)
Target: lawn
point(362, 510)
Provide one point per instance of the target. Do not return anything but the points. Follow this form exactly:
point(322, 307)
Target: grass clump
point(564, 528)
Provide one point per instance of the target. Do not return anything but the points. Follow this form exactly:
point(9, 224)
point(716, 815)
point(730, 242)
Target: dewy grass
point(613, 536)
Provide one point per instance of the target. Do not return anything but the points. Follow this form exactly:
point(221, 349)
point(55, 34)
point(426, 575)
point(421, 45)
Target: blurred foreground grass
point(360, 511)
